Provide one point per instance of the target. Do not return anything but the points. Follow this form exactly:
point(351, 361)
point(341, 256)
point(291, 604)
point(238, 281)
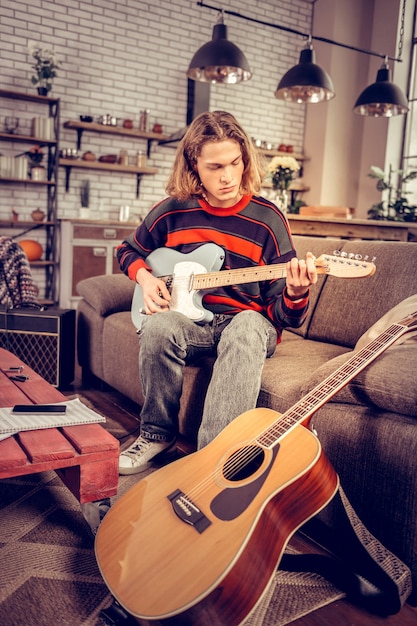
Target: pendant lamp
point(219, 60)
point(382, 98)
point(305, 82)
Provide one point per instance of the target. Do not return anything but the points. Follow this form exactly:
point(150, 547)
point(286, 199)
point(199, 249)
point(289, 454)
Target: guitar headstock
point(344, 266)
point(410, 321)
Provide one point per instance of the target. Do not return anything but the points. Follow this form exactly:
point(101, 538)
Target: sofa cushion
point(285, 373)
point(107, 294)
point(389, 381)
point(347, 308)
point(121, 355)
point(318, 246)
point(395, 315)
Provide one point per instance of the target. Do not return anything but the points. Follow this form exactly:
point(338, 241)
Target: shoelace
point(139, 447)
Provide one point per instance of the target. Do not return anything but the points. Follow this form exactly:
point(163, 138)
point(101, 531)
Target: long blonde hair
point(184, 181)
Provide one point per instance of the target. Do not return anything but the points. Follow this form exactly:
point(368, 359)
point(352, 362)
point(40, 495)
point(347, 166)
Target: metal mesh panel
point(38, 351)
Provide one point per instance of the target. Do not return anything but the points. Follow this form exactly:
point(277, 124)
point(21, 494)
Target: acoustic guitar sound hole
point(243, 463)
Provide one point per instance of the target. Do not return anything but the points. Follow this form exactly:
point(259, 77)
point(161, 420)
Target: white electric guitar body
point(187, 276)
point(178, 271)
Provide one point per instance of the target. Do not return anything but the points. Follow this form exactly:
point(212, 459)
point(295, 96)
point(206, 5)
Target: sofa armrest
point(107, 294)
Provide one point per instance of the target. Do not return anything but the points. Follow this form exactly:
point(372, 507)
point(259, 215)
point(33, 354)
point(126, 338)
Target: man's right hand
point(156, 296)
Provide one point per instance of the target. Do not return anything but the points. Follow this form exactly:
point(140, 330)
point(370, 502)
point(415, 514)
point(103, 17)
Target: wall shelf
point(272, 153)
point(28, 181)
point(26, 139)
point(130, 133)
point(105, 167)
point(104, 129)
point(26, 225)
point(28, 97)
point(42, 263)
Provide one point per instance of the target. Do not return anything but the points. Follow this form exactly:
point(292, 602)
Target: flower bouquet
point(282, 171)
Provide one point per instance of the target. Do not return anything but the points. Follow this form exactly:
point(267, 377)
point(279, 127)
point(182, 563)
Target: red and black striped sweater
point(253, 232)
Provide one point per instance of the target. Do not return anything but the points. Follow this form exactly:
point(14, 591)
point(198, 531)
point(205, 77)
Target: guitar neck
point(302, 411)
point(332, 265)
point(239, 276)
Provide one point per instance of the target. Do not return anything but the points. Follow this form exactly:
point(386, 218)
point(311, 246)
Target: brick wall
point(123, 56)
point(120, 57)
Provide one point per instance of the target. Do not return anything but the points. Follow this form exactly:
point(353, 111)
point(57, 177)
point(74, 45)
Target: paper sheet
point(77, 413)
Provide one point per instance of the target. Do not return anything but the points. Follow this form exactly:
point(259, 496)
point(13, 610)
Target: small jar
point(37, 173)
point(141, 159)
point(144, 120)
point(123, 157)
point(124, 213)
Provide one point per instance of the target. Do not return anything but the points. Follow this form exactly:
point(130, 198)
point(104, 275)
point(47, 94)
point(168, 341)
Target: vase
point(281, 199)
point(38, 215)
point(42, 91)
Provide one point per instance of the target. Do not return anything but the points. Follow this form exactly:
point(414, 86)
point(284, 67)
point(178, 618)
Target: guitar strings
point(247, 453)
point(306, 406)
point(273, 271)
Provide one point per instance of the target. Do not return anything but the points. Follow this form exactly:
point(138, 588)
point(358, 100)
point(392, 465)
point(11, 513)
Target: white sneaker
point(137, 458)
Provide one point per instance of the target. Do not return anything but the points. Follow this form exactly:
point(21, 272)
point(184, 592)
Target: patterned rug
point(49, 572)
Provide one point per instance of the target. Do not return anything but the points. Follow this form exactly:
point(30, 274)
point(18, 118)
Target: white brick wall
point(122, 56)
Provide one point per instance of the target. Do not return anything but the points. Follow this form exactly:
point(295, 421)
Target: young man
point(212, 192)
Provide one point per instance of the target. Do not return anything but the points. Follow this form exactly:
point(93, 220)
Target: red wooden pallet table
point(84, 457)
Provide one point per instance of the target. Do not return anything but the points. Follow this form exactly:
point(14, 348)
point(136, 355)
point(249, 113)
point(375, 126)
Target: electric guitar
point(188, 275)
point(198, 541)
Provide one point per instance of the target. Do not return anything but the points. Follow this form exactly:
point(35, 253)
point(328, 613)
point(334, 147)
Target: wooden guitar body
point(197, 542)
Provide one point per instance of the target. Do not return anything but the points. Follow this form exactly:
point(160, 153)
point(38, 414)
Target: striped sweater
point(253, 232)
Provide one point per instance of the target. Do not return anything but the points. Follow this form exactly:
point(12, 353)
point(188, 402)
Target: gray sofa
point(368, 429)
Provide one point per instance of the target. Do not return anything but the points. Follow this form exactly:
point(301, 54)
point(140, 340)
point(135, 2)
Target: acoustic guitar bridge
point(188, 512)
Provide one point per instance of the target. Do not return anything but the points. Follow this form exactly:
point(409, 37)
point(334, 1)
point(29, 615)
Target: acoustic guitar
point(187, 276)
point(198, 541)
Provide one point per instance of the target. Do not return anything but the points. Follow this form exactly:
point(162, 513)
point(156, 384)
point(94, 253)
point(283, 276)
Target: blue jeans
point(169, 341)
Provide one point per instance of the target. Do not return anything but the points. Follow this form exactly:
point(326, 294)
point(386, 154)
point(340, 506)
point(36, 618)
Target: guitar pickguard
point(232, 501)
point(163, 261)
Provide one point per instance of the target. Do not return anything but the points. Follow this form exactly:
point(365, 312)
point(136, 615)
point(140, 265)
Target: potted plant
point(45, 68)
point(85, 199)
point(395, 207)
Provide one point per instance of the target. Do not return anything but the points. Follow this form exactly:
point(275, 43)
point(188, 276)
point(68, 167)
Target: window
point(409, 157)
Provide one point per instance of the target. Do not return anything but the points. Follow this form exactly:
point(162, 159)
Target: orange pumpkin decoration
point(32, 249)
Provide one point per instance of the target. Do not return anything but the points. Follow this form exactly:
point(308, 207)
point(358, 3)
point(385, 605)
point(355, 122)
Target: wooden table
point(348, 228)
point(84, 457)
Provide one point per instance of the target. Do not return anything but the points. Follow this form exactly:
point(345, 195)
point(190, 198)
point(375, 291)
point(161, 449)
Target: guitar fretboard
point(239, 276)
point(335, 266)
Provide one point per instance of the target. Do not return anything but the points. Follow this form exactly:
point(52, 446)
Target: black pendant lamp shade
point(305, 82)
point(382, 98)
point(219, 60)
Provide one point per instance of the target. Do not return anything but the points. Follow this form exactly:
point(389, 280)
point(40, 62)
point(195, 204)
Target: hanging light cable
point(383, 98)
point(206, 67)
point(219, 60)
